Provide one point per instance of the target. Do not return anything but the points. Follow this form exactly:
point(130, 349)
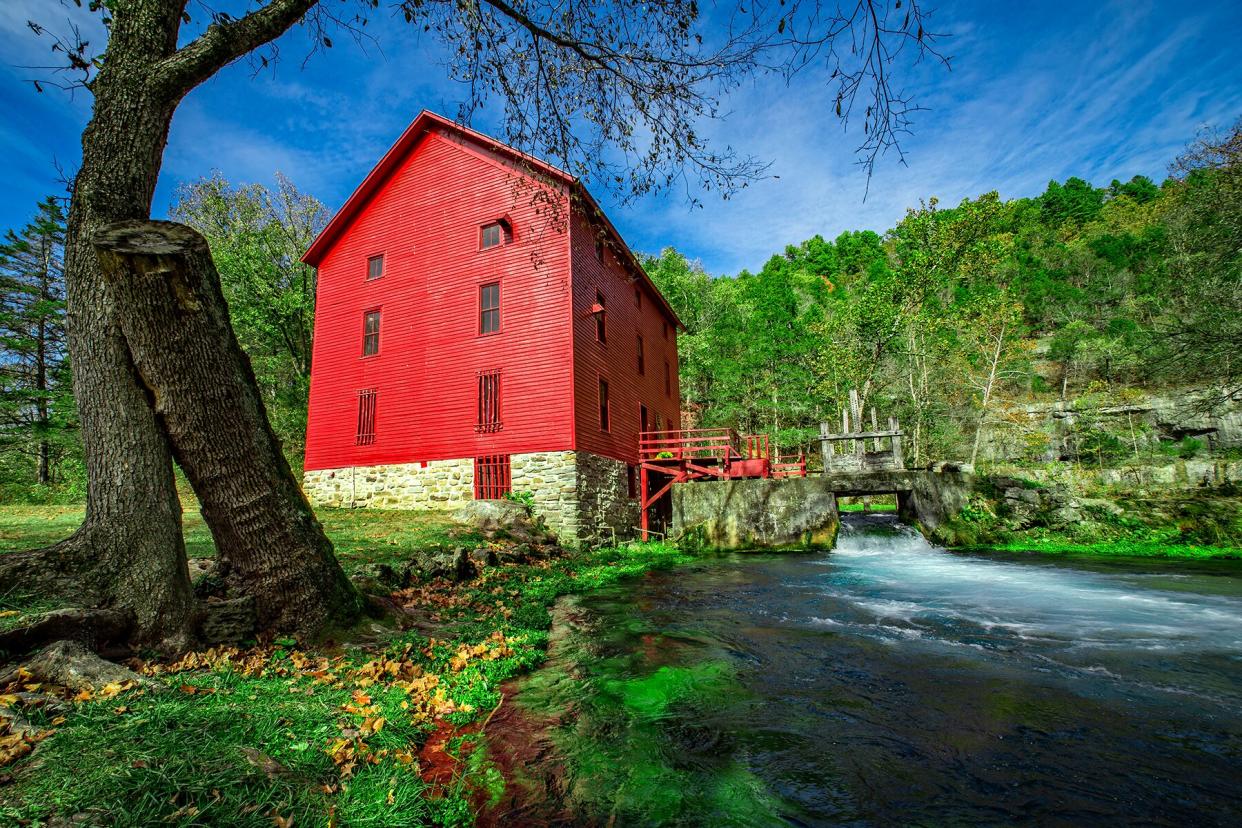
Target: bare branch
point(226, 40)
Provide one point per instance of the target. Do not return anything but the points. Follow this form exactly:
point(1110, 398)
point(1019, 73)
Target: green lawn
point(374, 732)
point(360, 536)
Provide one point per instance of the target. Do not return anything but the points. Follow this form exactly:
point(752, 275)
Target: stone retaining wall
point(605, 507)
point(581, 496)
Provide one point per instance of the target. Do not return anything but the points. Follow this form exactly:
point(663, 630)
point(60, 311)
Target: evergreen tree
point(36, 407)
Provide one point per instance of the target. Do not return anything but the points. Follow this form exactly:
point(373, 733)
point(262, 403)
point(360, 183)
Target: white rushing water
point(898, 585)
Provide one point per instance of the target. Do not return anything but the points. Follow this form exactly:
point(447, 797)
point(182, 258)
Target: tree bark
point(175, 320)
point(129, 552)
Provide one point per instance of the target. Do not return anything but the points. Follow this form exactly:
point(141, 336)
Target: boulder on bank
point(506, 519)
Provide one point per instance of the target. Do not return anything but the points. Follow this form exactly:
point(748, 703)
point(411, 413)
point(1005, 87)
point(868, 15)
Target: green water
point(889, 682)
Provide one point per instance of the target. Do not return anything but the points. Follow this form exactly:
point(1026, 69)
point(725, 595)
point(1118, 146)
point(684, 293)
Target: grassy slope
point(361, 734)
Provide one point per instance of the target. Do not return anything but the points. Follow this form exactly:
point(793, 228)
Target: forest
point(1084, 296)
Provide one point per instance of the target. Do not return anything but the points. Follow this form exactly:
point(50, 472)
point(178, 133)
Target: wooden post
point(860, 446)
point(894, 426)
point(825, 446)
point(875, 441)
point(642, 498)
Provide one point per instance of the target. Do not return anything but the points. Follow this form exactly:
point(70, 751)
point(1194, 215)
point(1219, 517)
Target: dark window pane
point(489, 308)
point(375, 267)
point(370, 334)
point(601, 318)
point(642, 364)
point(603, 405)
point(493, 235)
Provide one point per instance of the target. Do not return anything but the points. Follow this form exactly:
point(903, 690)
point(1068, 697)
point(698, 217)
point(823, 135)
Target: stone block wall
point(440, 484)
point(583, 497)
point(552, 477)
point(606, 508)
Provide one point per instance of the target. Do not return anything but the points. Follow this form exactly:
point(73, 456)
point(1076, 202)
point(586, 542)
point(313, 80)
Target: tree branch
point(225, 42)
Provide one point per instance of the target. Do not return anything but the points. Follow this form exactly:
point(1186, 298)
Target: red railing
point(758, 445)
point(694, 444)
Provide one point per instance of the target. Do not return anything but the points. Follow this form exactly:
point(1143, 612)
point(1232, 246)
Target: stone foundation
point(606, 510)
point(436, 484)
point(583, 497)
point(552, 477)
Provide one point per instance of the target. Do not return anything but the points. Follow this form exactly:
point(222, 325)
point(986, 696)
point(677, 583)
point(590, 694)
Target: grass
point(361, 537)
point(379, 734)
point(1122, 547)
point(858, 507)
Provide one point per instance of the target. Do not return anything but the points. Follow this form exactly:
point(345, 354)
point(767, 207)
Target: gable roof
point(398, 152)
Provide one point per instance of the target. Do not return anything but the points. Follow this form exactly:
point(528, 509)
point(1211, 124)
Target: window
point(375, 267)
point(642, 363)
point(603, 404)
point(668, 380)
point(492, 477)
point(489, 308)
point(599, 249)
point(666, 330)
point(601, 318)
point(644, 419)
point(489, 402)
point(366, 417)
point(638, 297)
point(370, 333)
point(495, 234)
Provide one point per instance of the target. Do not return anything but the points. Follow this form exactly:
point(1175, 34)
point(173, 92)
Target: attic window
point(638, 297)
point(599, 248)
point(495, 234)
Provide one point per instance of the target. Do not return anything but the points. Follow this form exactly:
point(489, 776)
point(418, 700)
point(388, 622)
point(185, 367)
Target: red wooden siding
point(616, 360)
point(426, 221)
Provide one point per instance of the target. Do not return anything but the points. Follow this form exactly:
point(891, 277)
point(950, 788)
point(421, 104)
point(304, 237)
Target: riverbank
point(378, 729)
point(1019, 514)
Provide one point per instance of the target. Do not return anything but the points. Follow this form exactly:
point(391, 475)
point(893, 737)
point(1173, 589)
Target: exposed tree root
point(89, 628)
point(64, 569)
point(69, 664)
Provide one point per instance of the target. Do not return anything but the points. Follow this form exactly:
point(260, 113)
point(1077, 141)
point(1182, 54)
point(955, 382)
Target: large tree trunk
point(129, 551)
point(176, 322)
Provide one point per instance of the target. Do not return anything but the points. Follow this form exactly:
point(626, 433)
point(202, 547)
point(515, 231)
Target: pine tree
point(37, 401)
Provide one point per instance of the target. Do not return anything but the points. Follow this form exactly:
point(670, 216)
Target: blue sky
point(1037, 91)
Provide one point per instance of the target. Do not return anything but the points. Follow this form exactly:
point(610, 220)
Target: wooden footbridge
point(858, 460)
point(669, 457)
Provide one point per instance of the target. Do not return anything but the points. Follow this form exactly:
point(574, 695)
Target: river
point(892, 682)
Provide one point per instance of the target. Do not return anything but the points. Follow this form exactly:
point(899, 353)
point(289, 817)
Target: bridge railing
point(847, 450)
point(722, 444)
